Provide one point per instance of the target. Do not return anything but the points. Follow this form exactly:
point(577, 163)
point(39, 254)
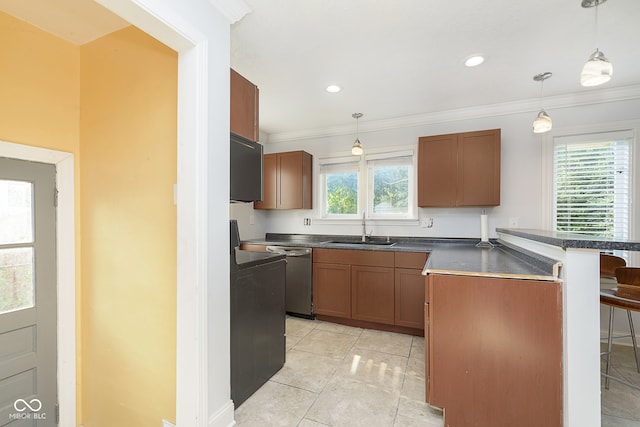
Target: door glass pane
point(16, 279)
point(16, 224)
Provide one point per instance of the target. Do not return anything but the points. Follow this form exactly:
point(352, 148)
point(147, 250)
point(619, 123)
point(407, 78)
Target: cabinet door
point(409, 298)
point(479, 168)
point(269, 179)
point(243, 107)
point(437, 170)
point(290, 180)
point(372, 294)
point(332, 289)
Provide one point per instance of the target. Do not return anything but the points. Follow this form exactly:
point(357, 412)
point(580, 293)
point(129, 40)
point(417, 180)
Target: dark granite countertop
point(571, 240)
point(446, 255)
point(499, 261)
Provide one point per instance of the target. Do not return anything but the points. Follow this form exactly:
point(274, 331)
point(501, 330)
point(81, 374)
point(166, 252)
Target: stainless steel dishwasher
point(298, 297)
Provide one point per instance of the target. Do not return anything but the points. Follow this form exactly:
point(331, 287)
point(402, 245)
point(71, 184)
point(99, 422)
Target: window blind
point(592, 186)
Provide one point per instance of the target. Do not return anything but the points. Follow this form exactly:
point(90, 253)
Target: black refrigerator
point(257, 288)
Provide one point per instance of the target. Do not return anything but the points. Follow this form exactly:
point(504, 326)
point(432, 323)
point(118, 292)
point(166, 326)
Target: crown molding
point(233, 10)
point(592, 97)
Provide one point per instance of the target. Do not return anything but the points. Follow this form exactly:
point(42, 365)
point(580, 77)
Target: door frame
point(65, 263)
point(202, 368)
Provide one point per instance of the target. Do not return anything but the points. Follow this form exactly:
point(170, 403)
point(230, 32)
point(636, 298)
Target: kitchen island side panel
point(495, 351)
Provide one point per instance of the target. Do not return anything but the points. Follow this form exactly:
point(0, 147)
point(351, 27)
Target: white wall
point(523, 187)
point(521, 174)
point(200, 31)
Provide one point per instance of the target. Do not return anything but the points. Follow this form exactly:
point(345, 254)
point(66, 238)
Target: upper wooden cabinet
point(460, 169)
point(287, 181)
point(244, 107)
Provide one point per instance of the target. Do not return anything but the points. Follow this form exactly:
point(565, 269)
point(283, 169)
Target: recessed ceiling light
point(474, 60)
point(333, 88)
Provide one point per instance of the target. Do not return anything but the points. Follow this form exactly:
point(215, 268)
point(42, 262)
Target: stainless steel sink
point(366, 242)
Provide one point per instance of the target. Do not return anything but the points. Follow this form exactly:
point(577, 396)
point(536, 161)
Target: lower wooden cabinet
point(372, 293)
point(332, 289)
point(409, 298)
point(378, 287)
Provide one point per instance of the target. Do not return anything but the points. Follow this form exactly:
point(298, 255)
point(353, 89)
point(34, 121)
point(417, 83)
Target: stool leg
point(606, 379)
point(633, 339)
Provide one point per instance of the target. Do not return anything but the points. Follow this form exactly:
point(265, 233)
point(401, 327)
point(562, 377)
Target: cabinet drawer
point(355, 257)
point(411, 259)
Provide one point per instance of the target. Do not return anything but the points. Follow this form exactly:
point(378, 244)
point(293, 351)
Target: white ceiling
point(393, 58)
point(78, 21)
point(398, 58)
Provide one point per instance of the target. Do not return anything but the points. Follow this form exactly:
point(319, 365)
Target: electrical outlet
point(252, 220)
point(426, 222)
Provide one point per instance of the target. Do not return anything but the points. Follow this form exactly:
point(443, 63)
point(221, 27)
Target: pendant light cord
point(596, 26)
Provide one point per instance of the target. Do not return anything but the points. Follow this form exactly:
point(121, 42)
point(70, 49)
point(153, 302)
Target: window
point(339, 180)
point(592, 184)
point(382, 184)
point(390, 185)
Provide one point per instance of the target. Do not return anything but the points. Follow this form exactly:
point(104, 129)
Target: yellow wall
point(128, 145)
point(38, 86)
point(40, 105)
point(113, 104)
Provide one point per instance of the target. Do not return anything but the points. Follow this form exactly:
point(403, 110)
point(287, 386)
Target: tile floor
point(621, 404)
point(337, 375)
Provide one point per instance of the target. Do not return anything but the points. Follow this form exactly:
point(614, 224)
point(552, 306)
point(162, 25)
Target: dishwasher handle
point(289, 251)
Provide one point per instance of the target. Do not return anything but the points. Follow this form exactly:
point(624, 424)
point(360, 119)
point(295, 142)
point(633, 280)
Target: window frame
point(365, 189)
point(401, 157)
point(546, 176)
point(328, 163)
point(606, 142)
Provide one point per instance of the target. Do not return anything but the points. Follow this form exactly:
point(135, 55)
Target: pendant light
point(598, 69)
point(357, 149)
point(542, 123)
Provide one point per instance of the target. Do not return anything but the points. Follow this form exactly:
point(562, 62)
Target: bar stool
point(625, 296)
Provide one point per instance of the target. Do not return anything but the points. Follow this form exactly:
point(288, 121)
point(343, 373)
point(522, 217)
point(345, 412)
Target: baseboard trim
point(223, 417)
point(371, 325)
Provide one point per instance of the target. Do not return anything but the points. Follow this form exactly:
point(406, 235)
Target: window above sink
point(382, 183)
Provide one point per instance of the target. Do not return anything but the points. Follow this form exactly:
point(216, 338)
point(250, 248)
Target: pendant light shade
point(597, 70)
point(356, 148)
point(543, 122)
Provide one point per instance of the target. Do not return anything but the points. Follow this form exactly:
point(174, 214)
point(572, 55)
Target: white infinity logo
point(37, 405)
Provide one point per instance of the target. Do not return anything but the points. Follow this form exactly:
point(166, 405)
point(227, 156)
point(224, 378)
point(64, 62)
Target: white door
point(28, 301)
